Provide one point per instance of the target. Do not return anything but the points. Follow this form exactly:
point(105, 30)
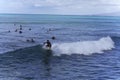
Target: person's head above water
point(48, 41)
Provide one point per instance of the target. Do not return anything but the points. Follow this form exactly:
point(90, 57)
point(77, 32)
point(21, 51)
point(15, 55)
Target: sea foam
point(84, 47)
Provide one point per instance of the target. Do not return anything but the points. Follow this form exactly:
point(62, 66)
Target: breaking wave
point(84, 47)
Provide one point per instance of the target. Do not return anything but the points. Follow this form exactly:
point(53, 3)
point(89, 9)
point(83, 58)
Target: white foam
point(84, 47)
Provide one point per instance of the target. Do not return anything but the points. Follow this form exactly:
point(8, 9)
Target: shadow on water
point(26, 64)
point(46, 60)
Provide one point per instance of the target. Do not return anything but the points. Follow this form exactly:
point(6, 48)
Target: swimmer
point(29, 29)
point(20, 27)
point(32, 40)
point(28, 40)
point(53, 38)
point(9, 31)
point(16, 30)
point(20, 32)
point(48, 44)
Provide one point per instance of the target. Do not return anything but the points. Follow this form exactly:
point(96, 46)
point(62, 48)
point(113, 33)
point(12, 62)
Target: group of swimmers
point(47, 43)
point(20, 29)
point(20, 32)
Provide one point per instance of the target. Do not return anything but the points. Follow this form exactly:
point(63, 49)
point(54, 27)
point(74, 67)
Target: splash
point(85, 47)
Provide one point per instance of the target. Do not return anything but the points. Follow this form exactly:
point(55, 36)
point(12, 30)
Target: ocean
point(84, 48)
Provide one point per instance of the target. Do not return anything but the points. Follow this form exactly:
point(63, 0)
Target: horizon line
point(54, 14)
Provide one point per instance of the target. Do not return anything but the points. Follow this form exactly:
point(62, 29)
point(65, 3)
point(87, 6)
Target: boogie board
point(46, 47)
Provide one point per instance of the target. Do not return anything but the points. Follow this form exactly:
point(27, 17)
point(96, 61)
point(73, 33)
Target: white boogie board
point(46, 48)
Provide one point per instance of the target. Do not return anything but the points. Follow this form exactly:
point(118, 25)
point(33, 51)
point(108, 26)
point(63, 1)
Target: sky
point(72, 7)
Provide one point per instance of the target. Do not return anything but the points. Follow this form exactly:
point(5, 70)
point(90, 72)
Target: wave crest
point(85, 47)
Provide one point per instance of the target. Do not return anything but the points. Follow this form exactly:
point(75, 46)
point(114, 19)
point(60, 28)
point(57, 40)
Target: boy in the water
point(48, 44)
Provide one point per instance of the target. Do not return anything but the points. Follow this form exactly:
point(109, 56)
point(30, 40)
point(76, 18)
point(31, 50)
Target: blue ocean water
point(85, 48)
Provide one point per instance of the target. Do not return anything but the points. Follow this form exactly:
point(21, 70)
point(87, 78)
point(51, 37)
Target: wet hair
point(53, 38)
point(27, 40)
point(20, 32)
point(9, 31)
point(29, 28)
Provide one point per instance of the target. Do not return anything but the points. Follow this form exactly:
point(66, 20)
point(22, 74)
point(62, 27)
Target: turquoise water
point(36, 18)
point(85, 48)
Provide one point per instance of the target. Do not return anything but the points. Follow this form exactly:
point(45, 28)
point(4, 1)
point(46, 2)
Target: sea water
point(84, 48)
